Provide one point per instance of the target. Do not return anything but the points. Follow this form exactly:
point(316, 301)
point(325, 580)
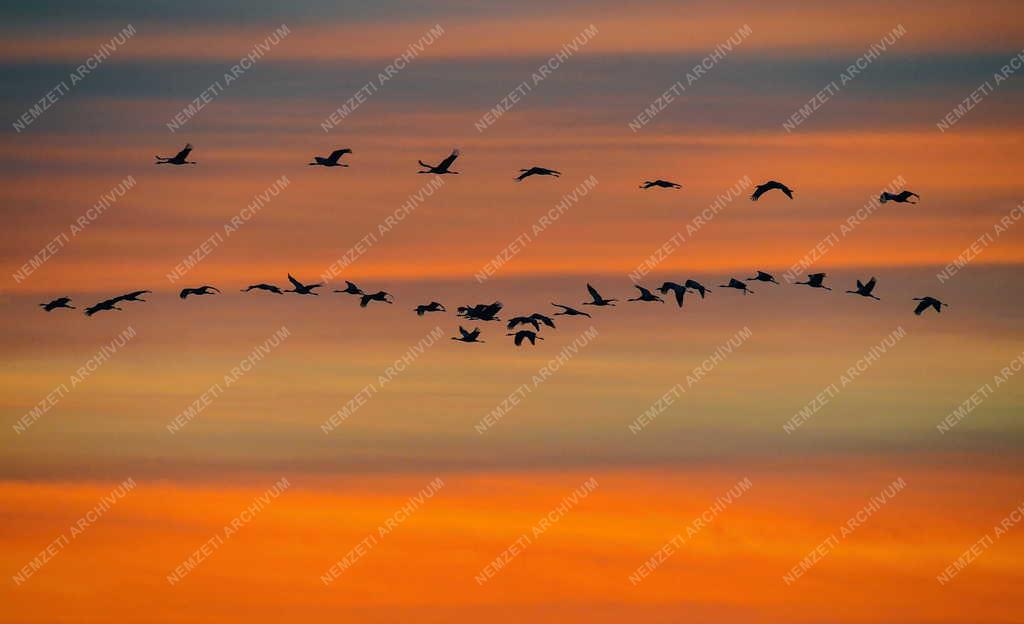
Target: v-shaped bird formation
point(523, 328)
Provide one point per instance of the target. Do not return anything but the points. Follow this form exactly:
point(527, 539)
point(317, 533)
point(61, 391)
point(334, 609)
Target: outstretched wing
point(183, 154)
point(922, 306)
point(473, 335)
point(870, 285)
point(785, 189)
point(185, 292)
point(296, 283)
point(593, 293)
point(519, 338)
point(338, 153)
point(447, 162)
point(543, 319)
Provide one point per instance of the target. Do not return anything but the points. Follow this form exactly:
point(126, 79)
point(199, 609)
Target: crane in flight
point(770, 185)
point(267, 287)
point(738, 285)
point(181, 158)
point(59, 302)
point(202, 290)
point(678, 289)
point(928, 302)
point(659, 183)
point(903, 197)
point(645, 295)
point(597, 299)
point(695, 285)
point(525, 173)
point(815, 280)
point(468, 336)
point(442, 167)
point(865, 290)
point(525, 334)
point(422, 309)
point(380, 295)
point(568, 311)
point(332, 159)
point(351, 289)
point(300, 288)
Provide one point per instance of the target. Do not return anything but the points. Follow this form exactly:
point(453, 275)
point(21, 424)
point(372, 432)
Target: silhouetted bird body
point(738, 285)
point(537, 171)
point(181, 158)
point(468, 336)
point(481, 311)
point(267, 287)
point(332, 159)
point(903, 197)
point(660, 184)
point(60, 302)
point(864, 290)
point(597, 299)
point(442, 167)
point(433, 306)
point(300, 288)
point(763, 277)
point(380, 295)
point(135, 295)
point(525, 334)
point(695, 285)
point(678, 289)
point(645, 295)
point(547, 320)
point(928, 302)
point(815, 280)
point(107, 304)
point(351, 289)
point(761, 189)
point(568, 311)
point(202, 290)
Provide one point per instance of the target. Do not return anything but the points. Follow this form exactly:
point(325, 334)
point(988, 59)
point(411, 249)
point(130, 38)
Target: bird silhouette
point(660, 184)
point(60, 302)
point(267, 287)
point(300, 288)
point(903, 197)
point(547, 320)
point(536, 171)
point(527, 335)
point(678, 289)
point(738, 285)
point(523, 320)
point(597, 299)
point(645, 295)
point(135, 295)
point(928, 302)
point(202, 290)
point(106, 304)
point(421, 309)
point(695, 285)
point(380, 295)
point(568, 311)
point(332, 160)
point(181, 158)
point(864, 290)
point(761, 189)
point(815, 280)
point(468, 336)
point(481, 311)
point(443, 166)
point(351, 289)
point(763, 277)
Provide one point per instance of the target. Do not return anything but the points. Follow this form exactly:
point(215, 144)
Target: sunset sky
point(728, 95)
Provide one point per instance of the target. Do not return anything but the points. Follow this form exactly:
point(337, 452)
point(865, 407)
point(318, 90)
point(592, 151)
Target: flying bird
point(598, 300)
point(523, 320)
point(928, 302)
point(761, 189)
point(678, 289)
point(903, 197)
point(695, 285)
point(481, 311)
point(135, 295)
point(107, 304)
point(380, 295)
point(468, 336)
point(763, 277)
point(536, 171)
point(645, 295)
point(547, 320)
point(351, 289)
point(202, 290)
point(181, 158)
point(332, 160)
point(300, 288)
point(267, 287)
point(60, 302)
point(527, 335)
point(815, 280)
point(864, 290)
point(421, 309)
point(660, 184)
point(738, 285)
point(443, 166)
point(568, 311)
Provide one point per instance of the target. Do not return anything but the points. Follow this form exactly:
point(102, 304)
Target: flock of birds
point(519, 326)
